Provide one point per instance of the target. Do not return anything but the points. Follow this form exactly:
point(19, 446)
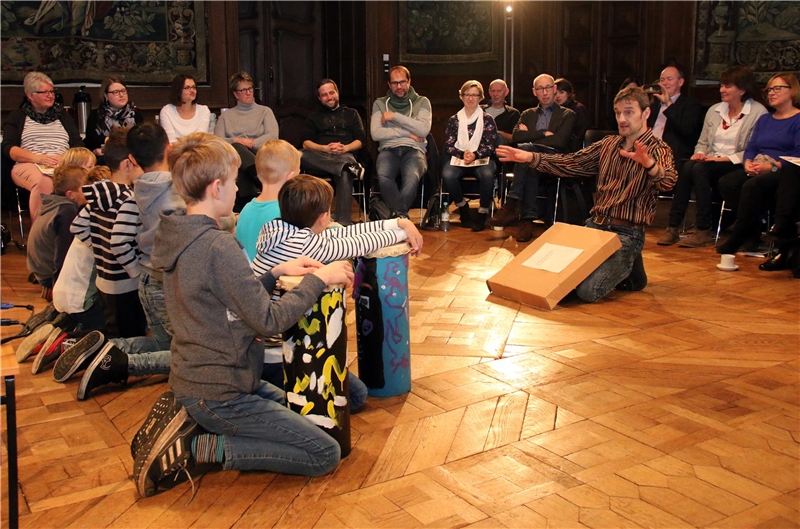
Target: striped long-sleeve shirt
point(280, 241)
point(624, 189)
point(108, 225)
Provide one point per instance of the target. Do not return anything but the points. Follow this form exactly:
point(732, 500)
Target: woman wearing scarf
point(35, 136)
point(116, 110)
point(471, 136)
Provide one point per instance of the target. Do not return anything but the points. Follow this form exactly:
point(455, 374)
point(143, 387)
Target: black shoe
point(732, 245)
point(775, 263)
point(356, 169)
point(109, 365)
point(79, 356)
point(637, 279)
point(166, 452)
point(47, 315)
point(465, 214)
point(479, 222)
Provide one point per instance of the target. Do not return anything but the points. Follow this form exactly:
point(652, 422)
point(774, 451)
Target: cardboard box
point(553, 265)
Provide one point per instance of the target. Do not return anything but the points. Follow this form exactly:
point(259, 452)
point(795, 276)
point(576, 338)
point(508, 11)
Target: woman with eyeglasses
point(247, 127)
point(720, 150)
point(35, 136)
point(116, 110)
point(763, 178)
point(183, 115)
point(470, 138)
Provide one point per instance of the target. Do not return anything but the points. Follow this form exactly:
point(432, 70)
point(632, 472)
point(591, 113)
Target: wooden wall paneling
point(578, 61)
point(345, 45)
point(294, 63)
point(253, 46)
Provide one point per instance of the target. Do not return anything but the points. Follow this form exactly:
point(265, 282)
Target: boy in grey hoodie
point(219, 310)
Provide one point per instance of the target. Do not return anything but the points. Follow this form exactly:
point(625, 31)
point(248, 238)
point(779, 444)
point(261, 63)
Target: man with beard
point(400, 124)
point(333, 136)
point(631, 170)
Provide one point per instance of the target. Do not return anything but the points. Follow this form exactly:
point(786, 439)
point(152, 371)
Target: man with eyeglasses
point(674, 118)
point(332, 138)
point(544, 128)
point(247, 127)
point(400, 123)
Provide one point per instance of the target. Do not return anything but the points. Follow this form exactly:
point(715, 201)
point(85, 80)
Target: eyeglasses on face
point(120, 92)
point(777, 89)
point(247, 90)
point(190, 87)
point(470, 96)
point(547, 88)
point(46, 92)
point(399, 83)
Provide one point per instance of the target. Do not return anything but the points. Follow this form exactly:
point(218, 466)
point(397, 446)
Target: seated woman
point(183, 115)
point(719, 151)
point(35, 136)
point(116, 110)
point(566, 98)
point(748, 189)
point(470, 138)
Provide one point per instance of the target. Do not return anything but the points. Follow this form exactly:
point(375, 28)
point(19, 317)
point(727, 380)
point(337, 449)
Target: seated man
point(505, 117)
point(247, 126)
point(333, 136)
point(400, 124)
point(547, 124)
point(674, 118)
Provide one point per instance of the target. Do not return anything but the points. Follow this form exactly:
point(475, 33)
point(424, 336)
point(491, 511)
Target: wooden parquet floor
point(677, 406)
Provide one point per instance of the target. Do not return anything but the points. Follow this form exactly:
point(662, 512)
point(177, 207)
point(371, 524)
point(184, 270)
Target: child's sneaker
point(109, 365)
point(78, 357)
point(164, 450)
point(162, 412)
point(33, 342)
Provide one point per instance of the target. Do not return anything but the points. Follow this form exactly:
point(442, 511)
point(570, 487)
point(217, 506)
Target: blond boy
point(276, 162)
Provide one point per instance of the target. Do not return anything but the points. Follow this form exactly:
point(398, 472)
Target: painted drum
point(383, 336)
point(315, 363)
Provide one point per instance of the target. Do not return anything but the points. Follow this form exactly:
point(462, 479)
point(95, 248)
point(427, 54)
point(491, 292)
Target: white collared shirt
point(661, 120)
point(724, 141)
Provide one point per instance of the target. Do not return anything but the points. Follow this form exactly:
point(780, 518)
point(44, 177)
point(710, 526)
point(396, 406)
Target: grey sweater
point(154, 193)
point(218, 308)
point(248, 121)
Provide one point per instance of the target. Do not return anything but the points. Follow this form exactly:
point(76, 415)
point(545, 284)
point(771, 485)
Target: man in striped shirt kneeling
point(631, 170)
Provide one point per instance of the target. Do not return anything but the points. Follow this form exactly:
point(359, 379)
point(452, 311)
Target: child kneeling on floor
point(219, 410)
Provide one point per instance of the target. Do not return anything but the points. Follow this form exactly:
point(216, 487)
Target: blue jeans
point(273, 373)
point(618, 267)
point(261, 433)
point(484, 173)
point(410, 164)
point(151, 295)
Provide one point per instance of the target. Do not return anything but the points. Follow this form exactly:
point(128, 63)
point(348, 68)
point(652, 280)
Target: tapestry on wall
point(764, 36)
point(147, 41)
point(446, 32)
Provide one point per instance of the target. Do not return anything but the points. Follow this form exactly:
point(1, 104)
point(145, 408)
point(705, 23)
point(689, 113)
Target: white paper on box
point(553, 257)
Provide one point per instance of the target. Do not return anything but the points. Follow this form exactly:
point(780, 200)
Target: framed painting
point(143, 42)
point(445, 32)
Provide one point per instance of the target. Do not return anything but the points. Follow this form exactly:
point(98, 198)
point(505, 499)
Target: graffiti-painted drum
point(382, 333)
point(315, 363)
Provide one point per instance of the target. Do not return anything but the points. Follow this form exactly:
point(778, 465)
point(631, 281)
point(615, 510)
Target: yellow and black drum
point(315, 363)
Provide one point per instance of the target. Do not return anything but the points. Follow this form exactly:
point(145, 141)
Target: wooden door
point(281, 45)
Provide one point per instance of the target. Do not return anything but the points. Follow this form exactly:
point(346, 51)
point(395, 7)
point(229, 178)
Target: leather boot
point(479, 222)
point(506, 215)
point(700, 239)
point(670, 237)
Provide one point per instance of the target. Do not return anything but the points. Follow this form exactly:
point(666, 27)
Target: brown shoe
point(505, 215)
point(525, 232)
point(699, 239)
point(670, 237)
